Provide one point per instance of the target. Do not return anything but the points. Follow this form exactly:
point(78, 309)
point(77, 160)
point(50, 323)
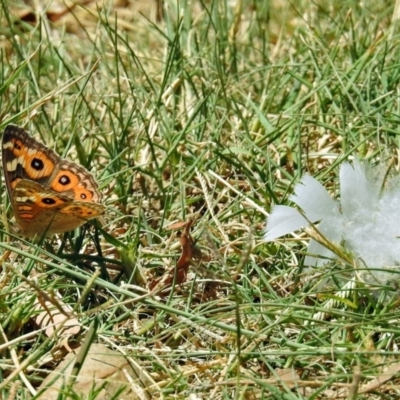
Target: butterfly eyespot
point(64, 180)
point(37, 164)
point(48, 200)
point(83, 196)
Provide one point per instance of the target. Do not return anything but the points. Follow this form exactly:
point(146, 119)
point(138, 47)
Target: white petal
point(332, 229)
point(283, 220)
point(314, 200)
point(358, 192)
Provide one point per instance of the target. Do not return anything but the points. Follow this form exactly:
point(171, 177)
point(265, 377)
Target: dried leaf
point(387, 374)
point(103, 368)
point(51, 318)
point(189, 252)
point(289, 376)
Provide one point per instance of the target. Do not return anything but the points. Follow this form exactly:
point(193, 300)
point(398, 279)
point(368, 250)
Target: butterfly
point(48, 194)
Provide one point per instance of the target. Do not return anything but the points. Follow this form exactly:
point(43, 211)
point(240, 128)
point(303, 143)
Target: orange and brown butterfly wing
point(25, 158)
point(36, 206)
point(45, 191)
point(74, 181)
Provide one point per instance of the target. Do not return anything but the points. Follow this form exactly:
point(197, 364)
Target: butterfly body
point(48, 194)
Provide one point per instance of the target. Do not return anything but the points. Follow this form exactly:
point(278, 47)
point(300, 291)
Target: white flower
point(366, 222)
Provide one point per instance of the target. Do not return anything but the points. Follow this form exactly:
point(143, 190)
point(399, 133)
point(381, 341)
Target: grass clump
point(196, 122)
